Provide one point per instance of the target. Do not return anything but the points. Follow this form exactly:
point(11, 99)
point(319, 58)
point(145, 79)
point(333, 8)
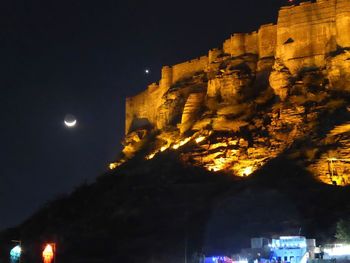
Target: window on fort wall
point(288, 41)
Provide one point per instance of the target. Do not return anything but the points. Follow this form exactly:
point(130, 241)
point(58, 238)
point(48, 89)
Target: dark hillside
point(154, 211)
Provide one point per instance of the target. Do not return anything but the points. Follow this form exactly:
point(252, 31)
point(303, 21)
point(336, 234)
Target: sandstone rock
point(333, 166)
point(280, 80)
point(191, 110)
point(221, 123)
point(133, 142)
point(233, 85)
point(338, 70)
point(169, 112)
point(205, 123)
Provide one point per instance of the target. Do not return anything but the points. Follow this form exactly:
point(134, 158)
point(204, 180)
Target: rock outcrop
point(338, 70)
point(280, 80)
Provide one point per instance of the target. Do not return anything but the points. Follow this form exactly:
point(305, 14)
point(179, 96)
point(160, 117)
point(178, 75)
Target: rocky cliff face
point(242, 110)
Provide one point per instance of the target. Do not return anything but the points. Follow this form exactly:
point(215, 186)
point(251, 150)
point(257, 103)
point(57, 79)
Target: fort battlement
point(188, 68)
point(303, 37)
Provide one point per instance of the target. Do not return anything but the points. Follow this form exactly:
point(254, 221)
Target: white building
point(336, 251)
point(293, 249)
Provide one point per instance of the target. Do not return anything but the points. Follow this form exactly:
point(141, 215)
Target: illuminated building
point(218, 259)
point(336, 251)
point(15, 253)
point(293, 249)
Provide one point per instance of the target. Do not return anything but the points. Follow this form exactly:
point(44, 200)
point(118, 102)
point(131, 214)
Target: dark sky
point(84, 57)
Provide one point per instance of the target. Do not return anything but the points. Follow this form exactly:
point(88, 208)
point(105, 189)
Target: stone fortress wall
point(141, 110)
point(240, 43)
point(261, 42)
point(306, 33)
point(188, 68)
point(303, 37)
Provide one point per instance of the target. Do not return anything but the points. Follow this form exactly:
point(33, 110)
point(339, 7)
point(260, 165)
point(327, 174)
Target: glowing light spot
point(218, 165)
point(214, 168)
point(185, 141)
point(147, 71)
point(247, 171)
point(181, 143)
point(200, 139)
point(16, 252)
point(151, 156)
point(164, 148)
point(48, 253)
point(112, 166)
point(176, 146)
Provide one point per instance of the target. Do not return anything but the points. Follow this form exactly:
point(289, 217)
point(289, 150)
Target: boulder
point(280, 80)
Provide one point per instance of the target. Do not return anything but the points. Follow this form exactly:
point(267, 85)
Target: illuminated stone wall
point(308, 32)
point(239, 44)
point(142, 109)
point(188, 68)
point(343, 23)
point(267, 37)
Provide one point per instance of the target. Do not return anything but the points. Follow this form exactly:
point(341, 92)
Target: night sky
point(85, 57)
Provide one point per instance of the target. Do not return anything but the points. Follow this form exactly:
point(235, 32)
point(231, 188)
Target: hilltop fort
point(256, 97)
point(252, 140)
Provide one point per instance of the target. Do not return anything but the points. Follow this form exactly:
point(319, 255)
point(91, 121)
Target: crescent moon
point(70, 123)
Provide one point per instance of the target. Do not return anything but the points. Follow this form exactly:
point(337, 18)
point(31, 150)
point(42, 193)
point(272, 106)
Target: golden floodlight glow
point(176, 146)
point(112, 166)
point(181, 143)
point(214, 168)
point(219, 164)
point(149, 157)
point(164, 148)
point(200, 139)
point(247, 171)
